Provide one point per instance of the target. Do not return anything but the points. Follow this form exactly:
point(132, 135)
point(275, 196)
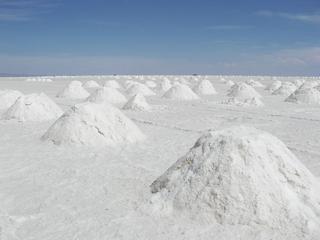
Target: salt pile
point(286, 89)
point(254, 83)
point(33, 107)
point(243, 91)
point(305, 95)
point(151, 84)
point(229, 83)
point(165, 85)
point(205, 88)
point(93, 125)
point(242, 176)
point(137, 103)
point(74, 90)
point(8, 97)
point(139, 88)
point(107, 94)
point(180, 92)
point(91, 84)
point(112, 84)
point(274, 86)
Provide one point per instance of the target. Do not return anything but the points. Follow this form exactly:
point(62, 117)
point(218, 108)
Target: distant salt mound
point(151, 84)
point(137, 103)
point(180, 92)
point(241, 176)
point(91, 84)
point(305, 95)
point(33, 107)
point(274, 86)
point(286, 89)
point(229, 83)
point(141, 89)
point(249, 102)
point(94, 125)
point(254, 83)
point(107, 94)
point(165, 85)
point(205, 88)
point(74, 90)
point(223, 80)
point(243, 91)
point(112, 84)
point(8, 97)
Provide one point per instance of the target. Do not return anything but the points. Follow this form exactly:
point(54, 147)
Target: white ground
point(65, 192)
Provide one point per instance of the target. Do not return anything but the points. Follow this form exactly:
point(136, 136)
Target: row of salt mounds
point(205, 88)
point(112, 84)
point(137, 103)
point(91, 84)
point(140, 88)
point(304, 94)
point(254, 83)
point(33, 107)
point(8, 97)
point(286, 89)
point(274, 86)
point(107, 94)
point(94, 125)
point(74, 90)
point(180, 92)
point(242, 176)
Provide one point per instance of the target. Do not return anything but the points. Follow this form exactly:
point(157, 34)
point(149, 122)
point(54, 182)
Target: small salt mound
point(205, 88)
point(91, 84)
point(33, 107)
point(74, 90)
point(112, 84)
point(95, 125)
point(137, 103)
point(165, 85)
point(274, 86)
point(286, 89)
point(241, 176)
point(8, 97)
point(255, 84)
point(305, 95)
point(180, 92)
point(243, 91)
point(249, 102)
point(229, 83)
point(151, 84)
point(223, 80)
point(107, 94)
point(139, 88)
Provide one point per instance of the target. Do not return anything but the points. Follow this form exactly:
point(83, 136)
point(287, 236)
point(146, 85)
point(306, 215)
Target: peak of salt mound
point(254, 83)
point(305, 95)
point(248, 102)
point(33, 107)
point(241, 176)
point(243, 91)
point(94, 125)
point(180, 92)
point(137, 103)
point(165, 85)
point(8, 97)
point(286, 89)
point(205, 88)
point(112, 84)
point(74, 90)
point(274, 86)
point(91, 84)
point(107, 94)
point(139, 88)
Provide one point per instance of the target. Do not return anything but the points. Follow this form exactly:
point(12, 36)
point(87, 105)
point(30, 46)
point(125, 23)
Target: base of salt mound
point(180, 92)
point(305, 95)
point(94, 125)
point(241, 176)
point(107, 94)
point(33, 107)
point(137, 103)
point(204, 88)
point(74, 90)
point(8, 97)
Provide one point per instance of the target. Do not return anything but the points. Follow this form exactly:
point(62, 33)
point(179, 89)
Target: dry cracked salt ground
point(63, 192)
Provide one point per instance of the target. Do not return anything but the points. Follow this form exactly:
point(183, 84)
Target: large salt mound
point(137, 103)
point(180, 92)
point(242, 176)
point(112, 84)
point(74, 90)
point(8, 97)
point(305, 95)
point(91, 84)
point(243, 91)
point(205, 88)
point(286, 89)
point(33, 107)
point(139, 88)
point(94, 125)
point(107, 94)
point(274, 86)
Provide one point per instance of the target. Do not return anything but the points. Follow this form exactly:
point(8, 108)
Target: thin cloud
point(308, 18)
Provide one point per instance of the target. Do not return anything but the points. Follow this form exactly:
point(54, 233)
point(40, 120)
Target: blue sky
point(274, 37)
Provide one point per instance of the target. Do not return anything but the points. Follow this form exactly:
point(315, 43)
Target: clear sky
point(160, 37)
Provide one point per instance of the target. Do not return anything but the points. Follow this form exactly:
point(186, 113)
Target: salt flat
point(76, 192)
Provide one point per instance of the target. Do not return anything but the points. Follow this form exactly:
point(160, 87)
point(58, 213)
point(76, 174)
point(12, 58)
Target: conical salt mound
point(254, 83)
point(242, 176)
point(205, 88)
point(137, 103)
point(93, 125)
point(180, 92)
point(91, 84)
point(8, 97)
point(230, 83)
point(165, 85)
point(305, 95)
point(112, 84)
point(107, 94)
point(139, 88)
point(286, 89)
point(274, 86)
point(33, 107)
point(74, 91)
point(243, 91)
